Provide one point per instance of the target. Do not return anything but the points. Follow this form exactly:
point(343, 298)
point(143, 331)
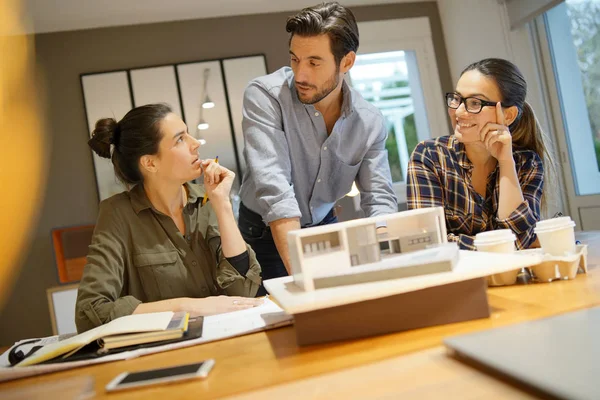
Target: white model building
point(354, 252)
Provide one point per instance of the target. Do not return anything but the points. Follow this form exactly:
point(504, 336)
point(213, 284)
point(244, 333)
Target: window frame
point(573, 202)
point(412, 35)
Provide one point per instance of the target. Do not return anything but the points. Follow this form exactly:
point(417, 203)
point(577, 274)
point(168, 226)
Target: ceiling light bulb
point(208, 103)
point(202, 125)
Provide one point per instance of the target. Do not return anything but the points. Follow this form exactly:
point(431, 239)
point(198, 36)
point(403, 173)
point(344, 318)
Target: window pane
point(585, 28)
point(574, 39)
point(384, 80)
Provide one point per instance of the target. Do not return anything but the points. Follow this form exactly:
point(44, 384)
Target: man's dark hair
point(332, 19)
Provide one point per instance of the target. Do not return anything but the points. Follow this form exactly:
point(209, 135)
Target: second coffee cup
point(556, 235)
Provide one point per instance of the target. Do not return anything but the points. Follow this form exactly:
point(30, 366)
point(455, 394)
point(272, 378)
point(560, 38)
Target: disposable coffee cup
point(498, 241)
point(556, 235)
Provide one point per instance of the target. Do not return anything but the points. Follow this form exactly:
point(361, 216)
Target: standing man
point(308, 135)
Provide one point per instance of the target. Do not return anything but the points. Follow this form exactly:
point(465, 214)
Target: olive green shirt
point(138, 255)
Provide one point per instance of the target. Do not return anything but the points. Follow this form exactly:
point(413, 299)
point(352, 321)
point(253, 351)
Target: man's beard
point(328, 87)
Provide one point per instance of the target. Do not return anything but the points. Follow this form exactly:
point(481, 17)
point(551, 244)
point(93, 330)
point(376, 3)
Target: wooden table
point(270, 365)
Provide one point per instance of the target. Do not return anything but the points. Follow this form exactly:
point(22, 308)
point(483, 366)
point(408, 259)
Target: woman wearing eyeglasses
point(489, 174)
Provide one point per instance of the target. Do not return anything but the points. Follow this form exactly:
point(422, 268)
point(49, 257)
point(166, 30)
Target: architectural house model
point(370, 249)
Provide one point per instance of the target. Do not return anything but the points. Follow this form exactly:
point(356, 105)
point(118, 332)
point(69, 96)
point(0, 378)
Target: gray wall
point(71, 197)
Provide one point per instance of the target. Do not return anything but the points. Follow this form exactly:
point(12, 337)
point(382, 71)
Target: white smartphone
point(128, 380)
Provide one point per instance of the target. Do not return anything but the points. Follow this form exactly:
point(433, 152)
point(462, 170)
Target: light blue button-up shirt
point(294, 169)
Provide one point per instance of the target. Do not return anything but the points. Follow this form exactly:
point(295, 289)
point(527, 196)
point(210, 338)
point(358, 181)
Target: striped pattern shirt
point(439, 174)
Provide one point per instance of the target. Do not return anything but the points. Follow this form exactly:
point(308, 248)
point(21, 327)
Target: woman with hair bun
point(156, 247)
point(490, 173)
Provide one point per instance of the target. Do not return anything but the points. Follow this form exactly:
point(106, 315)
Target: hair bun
point(103, 136)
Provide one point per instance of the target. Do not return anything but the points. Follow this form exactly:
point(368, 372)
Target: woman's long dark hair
point(525, 129)
point(136, 135)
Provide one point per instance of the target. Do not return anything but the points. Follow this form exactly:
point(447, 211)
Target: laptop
point(558, 356)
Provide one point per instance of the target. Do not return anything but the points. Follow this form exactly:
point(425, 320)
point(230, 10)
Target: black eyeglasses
point(472, 104)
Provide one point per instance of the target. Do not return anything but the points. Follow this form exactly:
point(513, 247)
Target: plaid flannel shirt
point(439, 174)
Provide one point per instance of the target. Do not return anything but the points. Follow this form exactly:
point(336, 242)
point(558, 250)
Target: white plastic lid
point(494, 237)
point(553, 224)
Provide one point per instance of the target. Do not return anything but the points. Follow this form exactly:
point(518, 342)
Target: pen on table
point(205, 198)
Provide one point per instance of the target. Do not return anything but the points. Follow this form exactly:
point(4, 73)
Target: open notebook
point(130, 324)
point(217, 327)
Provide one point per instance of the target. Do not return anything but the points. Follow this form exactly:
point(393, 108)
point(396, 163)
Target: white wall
point(473, 29)
point(477, 29)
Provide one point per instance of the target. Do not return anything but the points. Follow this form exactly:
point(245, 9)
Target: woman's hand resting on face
point(497, 138)
point(217, 181)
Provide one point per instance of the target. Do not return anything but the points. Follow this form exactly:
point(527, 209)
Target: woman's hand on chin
point(497, 138)
point(217, 181)
point(219, 304)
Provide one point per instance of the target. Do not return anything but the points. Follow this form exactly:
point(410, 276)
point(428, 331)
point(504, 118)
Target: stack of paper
point(175, 330)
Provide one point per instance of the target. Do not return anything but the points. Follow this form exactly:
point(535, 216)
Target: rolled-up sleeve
point(465, 242)
point(523, 219)
point(98, 296)
point(375, 180)
point(267, 155)
point(235, 284)
point(228, 277)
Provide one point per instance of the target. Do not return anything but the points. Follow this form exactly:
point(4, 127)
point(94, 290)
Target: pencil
point(205, 198)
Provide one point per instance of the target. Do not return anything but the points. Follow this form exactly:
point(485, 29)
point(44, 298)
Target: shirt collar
point(461, 152)
point(140, 201)
point(347, 108)
point(195, 192)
